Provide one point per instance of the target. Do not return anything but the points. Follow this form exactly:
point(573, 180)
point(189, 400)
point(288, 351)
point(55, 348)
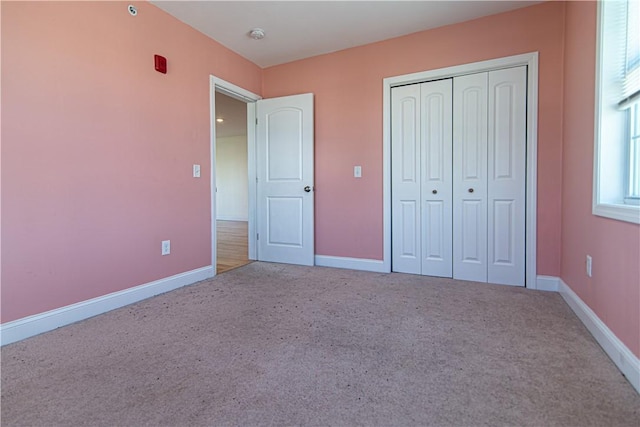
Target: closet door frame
point(531, 61)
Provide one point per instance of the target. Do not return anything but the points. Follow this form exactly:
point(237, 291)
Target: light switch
point(357, 171)
point(196, 171)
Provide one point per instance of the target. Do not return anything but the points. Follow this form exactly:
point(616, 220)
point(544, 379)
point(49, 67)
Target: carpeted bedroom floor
point(273, 345)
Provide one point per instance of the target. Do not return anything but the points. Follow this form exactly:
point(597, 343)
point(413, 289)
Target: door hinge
point(256, 121)
point(257, 236)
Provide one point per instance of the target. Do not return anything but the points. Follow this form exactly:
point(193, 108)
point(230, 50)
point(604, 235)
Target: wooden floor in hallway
point(233, 246)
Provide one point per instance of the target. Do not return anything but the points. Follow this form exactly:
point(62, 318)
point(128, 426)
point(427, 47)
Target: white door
point(405, 170)
point(507, 176)
point(421, 168)
point(470, 177)
point(458, 159)
point(284, 139)
point(436, 187)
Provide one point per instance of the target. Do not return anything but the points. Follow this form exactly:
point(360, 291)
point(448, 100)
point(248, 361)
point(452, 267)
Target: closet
point(458, 177)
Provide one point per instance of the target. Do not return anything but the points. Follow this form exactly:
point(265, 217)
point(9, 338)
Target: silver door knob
point(307, 189)
point(471, 190)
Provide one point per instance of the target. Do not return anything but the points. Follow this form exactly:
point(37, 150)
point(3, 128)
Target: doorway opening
point(232, 183)
point(233, 196)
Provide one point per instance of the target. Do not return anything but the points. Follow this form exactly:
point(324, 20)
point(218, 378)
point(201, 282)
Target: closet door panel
point(507, 176)
point(470, 177)
point(406, 176)
point(436, 187)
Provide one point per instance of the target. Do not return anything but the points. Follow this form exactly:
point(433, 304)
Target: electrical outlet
point(196, 171)
point(357, 171)
point(589, 265)
point(166, 247)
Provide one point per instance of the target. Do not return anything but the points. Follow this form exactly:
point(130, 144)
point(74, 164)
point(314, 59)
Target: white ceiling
point(301, 29)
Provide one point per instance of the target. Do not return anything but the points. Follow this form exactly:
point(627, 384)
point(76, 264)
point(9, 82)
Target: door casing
point(531, 61)
point(236, 92)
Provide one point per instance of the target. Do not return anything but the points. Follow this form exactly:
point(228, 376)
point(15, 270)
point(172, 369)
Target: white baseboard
point(374, 265)
point(26, 327)
point(548, 283)
point(619, 353)
point(232, 218)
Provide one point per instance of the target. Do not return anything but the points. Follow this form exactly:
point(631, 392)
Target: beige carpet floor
point(279, 345)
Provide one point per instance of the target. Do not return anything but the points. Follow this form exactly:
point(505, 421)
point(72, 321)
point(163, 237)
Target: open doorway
point(232, 187)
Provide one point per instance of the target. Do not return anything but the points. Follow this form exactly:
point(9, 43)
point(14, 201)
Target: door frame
point(250, 98)
point(531, 61)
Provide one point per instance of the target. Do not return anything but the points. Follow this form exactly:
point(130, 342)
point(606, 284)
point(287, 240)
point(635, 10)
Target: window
point(633, 193)
point(617, 136)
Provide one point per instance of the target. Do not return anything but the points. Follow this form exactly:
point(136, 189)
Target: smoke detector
point(257, 34)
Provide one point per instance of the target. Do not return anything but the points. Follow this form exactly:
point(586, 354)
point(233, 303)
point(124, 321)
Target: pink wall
point(97, 149)
point(613, 292)
point(348, 101)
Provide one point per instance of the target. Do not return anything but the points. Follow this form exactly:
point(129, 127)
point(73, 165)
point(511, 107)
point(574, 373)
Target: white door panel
point(405, 191)
point(507, 176)
point(458, 177)
point(285, 168)
point(470, 177)
point(436, 187)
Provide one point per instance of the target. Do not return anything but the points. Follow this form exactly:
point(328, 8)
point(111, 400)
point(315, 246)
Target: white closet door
point(405, 178)
point(436, 188)
point(470, 177)
point(507, 175)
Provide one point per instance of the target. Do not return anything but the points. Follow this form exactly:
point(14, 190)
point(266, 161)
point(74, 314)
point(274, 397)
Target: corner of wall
point(562, 109)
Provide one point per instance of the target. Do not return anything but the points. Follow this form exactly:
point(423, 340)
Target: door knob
point(435, 191)
point(307, 189)
point(471, 190)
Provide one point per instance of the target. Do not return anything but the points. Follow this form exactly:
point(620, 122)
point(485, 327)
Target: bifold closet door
point(458, 162)
point(470, 177)
point(421, 178)
point(507, 176)
point(405, 177)
point(489, 146)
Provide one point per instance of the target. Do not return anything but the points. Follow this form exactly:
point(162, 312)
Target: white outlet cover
point(357, 171)
point(196, 171)
point(166, 247)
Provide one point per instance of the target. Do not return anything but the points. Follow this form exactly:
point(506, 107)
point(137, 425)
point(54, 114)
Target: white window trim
point(619, 211)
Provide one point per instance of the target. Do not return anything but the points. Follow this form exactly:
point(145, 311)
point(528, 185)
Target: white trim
point(363, 264)
point(628, 213)
point(250, 98)
point(26, 327)
point(252, 179)
point(548, 283)
point(619, 353)
point(232, 218)
point(528, 59)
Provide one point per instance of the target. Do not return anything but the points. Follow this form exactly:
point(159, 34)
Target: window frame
point(618, 210)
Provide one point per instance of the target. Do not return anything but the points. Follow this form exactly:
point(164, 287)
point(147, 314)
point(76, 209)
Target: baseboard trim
point(363, 264)
point(232, 218)
point(548, 283)
point(26, 327)
point(619, 353)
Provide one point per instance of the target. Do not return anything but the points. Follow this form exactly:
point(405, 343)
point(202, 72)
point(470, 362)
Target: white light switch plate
point(196, 171)
point(166, 247)
point(357, 171)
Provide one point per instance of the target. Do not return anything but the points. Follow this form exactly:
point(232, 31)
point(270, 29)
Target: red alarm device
point(161, 64)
